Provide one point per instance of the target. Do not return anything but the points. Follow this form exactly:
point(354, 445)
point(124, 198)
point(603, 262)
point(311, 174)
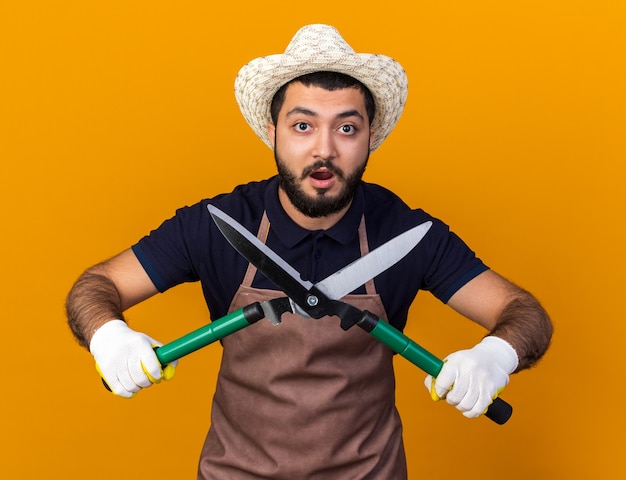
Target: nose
point(324, 147)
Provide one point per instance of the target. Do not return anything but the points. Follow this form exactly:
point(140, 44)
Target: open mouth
point(322, 179)
point(322, 175)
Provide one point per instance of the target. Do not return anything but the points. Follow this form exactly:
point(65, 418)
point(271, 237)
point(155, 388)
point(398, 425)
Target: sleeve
point(451, 263)
point(167, 253)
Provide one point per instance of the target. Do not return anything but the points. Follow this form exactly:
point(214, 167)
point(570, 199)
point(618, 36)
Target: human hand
point(126, 359)
point(471, 379)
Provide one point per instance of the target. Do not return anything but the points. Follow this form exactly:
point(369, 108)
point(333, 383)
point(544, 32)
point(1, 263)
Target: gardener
point(306, 399)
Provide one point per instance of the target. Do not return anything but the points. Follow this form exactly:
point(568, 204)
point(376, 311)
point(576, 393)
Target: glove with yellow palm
point(471, 379)
point(126, 359)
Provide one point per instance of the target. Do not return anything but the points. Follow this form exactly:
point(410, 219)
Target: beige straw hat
point(316, 48)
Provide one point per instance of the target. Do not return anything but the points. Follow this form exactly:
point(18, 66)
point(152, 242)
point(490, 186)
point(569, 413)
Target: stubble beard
point(322, 204)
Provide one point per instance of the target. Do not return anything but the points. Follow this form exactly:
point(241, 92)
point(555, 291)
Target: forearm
point(92, 301)
point(527, 327)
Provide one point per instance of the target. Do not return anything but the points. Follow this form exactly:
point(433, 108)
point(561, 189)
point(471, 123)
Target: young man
point(306, 399)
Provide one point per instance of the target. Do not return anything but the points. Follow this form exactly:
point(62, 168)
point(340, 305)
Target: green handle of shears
point(404, 346)
point(499, 411)
point(209, 333)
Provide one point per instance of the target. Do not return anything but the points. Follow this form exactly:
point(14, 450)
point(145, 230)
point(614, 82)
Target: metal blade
point(352, 276)
point(283, 275)
point(334, 287)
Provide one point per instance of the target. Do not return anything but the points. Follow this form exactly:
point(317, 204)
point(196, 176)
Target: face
point(321, 144)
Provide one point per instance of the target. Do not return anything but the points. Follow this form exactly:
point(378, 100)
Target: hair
point(330, 81)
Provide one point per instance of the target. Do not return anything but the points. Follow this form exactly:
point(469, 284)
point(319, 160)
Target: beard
point(322, 204)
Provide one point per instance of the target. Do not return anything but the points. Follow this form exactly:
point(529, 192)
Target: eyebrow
point(306, 111)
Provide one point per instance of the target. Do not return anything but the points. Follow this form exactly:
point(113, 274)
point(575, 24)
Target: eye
point(347, 129)
point(302, 126)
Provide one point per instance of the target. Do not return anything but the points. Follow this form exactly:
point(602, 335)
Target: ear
point(271, 133)
point(371, 138)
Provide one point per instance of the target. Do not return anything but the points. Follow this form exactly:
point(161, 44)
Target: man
point(306, 399)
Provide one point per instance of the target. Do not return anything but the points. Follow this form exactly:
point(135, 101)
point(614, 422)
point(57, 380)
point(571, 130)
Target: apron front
point(304, 399)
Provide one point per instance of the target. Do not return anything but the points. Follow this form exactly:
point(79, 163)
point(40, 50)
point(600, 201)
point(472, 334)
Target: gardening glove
point(126, 359)
point(471, 379)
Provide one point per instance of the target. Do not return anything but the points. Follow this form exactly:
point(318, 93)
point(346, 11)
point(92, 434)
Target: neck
point(309, 223)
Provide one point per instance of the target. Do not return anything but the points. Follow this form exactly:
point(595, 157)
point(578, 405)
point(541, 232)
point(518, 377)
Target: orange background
point(114, 113)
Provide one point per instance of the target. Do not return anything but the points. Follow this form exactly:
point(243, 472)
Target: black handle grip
point(499, 411)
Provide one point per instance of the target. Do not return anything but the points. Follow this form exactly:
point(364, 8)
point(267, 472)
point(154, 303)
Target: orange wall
point(113, 114)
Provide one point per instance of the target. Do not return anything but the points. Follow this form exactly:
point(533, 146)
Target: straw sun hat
point(316, 48)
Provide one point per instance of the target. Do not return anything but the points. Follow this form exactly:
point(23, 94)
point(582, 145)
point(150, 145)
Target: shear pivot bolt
point(312, 300)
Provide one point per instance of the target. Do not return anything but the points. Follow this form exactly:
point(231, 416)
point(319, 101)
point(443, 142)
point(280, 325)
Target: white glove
point(471, 379)
point(126, 359)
